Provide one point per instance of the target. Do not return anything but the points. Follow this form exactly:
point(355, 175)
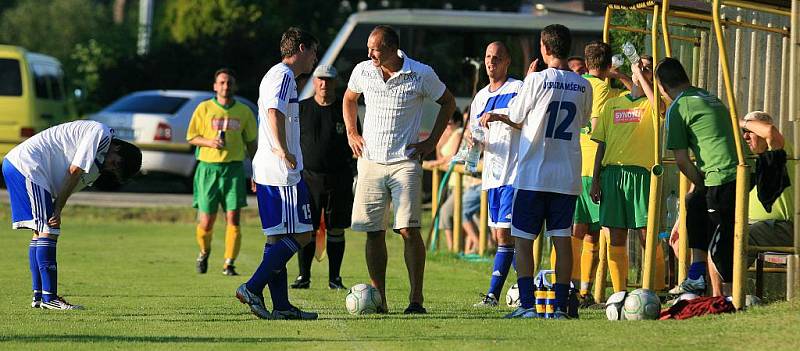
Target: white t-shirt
point(45, 157)
point(278, 90)
point(502, 141)
point(394, 107)
point(552, 106)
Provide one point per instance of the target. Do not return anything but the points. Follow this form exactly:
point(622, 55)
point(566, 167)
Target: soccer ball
point(641, 304)
point(614, 306)
point(362, 299)
point(512, 296)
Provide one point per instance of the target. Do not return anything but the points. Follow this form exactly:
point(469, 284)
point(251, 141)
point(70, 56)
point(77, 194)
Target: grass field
point(134, 271)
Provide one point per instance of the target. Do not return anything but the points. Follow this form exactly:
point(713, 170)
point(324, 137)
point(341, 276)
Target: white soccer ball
point(642, 304)
point(362, 299)
point(512, 296)
point(614, 306)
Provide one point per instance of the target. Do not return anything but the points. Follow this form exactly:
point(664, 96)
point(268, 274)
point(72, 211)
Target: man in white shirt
point(42, 172)
point(550, 110)
point(283, 199)
point(394, 88)
point(499, 161)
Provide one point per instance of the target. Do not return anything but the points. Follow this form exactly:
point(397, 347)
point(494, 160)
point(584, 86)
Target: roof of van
point(478, 19)
point(18, 51)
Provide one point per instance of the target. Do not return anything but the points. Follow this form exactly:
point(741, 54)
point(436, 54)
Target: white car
point(156, 121)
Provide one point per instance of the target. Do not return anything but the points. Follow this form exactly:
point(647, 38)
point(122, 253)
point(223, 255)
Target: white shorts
point(284, 209)
point(377, 185)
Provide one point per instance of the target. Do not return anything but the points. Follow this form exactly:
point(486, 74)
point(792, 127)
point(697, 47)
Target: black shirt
point(323, 138)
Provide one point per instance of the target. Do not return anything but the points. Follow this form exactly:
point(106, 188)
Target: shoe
point(336, 284)
point(58, 303)
point(229, 270)
point(488, 300)
point(560, 315)
point(695, 286)
point(415, 308)
point(202, 263)
point(382, 310)
point(255, 302)
point(586, 300)
point(301, 283)
point(522, 313)
point(573, 304)
point(294, 313)
point(36, 303)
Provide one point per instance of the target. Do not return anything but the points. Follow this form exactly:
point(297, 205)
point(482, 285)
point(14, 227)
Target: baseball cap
point(325, 71)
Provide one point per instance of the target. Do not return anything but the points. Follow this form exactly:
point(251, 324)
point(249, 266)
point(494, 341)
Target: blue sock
point(279, 291)
point(36, 279)
point(274, 260)
point(526, 299)
point(48, 268)
point(502, 263)
point(562, 296)
point(696, 270)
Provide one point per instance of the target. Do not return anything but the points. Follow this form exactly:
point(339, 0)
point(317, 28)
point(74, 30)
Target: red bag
point(686, 309)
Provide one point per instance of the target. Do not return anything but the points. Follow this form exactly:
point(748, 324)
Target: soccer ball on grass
point(512, 296)
point(641, 304)
point(363, 299)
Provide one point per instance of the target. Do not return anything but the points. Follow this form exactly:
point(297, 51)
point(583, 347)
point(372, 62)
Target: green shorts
point(626, 192)
point(218, 184)
point(586, 211)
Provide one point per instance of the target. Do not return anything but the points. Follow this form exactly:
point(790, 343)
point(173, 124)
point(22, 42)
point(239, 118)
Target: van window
point(148, 104)
point(10, 78)
point(47, 81)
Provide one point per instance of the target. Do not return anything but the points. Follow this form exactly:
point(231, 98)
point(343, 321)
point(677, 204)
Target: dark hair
point(573, 58)
point(131, 158)
point(670, 73)
point(598, 55)
point(390, 38)
point(646, 57)
point(557, 39)
point(457, 118)
point(224, 70)
point(292, 38)
point(503, 46)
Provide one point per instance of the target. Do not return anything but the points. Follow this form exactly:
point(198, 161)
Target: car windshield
point(148, 104)
point(10, 78)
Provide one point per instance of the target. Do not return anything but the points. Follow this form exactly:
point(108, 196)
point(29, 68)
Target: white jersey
point(278, 90)
point(502, 141)
point(552, 106)
point(45, 158)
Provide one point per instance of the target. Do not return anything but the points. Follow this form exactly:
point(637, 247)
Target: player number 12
point(553, 110)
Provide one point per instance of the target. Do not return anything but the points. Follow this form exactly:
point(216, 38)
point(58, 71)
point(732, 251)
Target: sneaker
point(336, 284)
point(301, 283)
point(560, 315)
point(255, 302)
point(523, 313)
point(229, 270)
point(202, 263)
point(294, 313)
point(573, 304)
point(586, 300)
point(415, 308)
point(487, 300)
point(58, 303)
point(695, 286)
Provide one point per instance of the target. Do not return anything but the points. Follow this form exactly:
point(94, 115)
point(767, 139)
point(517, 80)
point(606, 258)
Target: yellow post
point(664, 29)
point(606, 25)
point(654, 208)
point(435, 180)
point(683, 242)
point(602, 269)
point(794, 111)
point(484, 220)
point(742, 171)
point(457, 191)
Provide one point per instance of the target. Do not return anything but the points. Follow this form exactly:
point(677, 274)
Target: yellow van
point(31, 95)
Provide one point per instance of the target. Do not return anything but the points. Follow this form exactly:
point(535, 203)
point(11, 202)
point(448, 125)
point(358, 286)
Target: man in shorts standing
point(389, 169)
point(283, 200)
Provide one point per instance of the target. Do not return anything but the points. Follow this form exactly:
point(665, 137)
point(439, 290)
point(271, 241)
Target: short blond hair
point(759, 116)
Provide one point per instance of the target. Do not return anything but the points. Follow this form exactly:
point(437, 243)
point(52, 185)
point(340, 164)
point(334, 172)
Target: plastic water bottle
point(474, 154)
point(617, 60)
point(672, 214)
point(630, 51)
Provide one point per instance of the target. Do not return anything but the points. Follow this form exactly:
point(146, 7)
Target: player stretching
point(283, 200)
point(499, 161)
point(41, 174)
point(551, 108)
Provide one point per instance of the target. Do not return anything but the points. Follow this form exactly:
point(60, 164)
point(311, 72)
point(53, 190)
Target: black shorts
point(331, 195)
point(709, 224)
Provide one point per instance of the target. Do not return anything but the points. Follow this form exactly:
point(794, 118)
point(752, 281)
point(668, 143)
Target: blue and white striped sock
point(502, 264)
point(274, 261)
point(48, 267)
point(36, 278)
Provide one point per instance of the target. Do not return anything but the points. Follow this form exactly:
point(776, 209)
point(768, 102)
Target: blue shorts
point(501, 200)
point(284, 209)
point(471, 202)
point(534, 210)
point(31, 204)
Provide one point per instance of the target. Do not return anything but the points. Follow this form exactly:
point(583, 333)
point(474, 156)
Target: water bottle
point(672, 214)
point(630, 51)
point(474, 154)
point(617, 60)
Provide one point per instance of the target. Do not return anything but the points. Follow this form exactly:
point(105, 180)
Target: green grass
point(134, 270)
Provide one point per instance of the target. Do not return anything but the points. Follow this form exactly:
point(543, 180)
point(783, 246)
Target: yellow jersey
point(601, 92)
point(626, 127)
point(236, 120)
point(783, 207)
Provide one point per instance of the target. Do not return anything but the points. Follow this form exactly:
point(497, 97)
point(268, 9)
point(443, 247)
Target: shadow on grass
point(88, 338)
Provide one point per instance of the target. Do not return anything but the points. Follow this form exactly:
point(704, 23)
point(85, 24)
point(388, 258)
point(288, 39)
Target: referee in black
point(328, 170)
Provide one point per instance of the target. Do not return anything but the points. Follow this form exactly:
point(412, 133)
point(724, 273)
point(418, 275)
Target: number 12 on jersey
point(553, 111)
